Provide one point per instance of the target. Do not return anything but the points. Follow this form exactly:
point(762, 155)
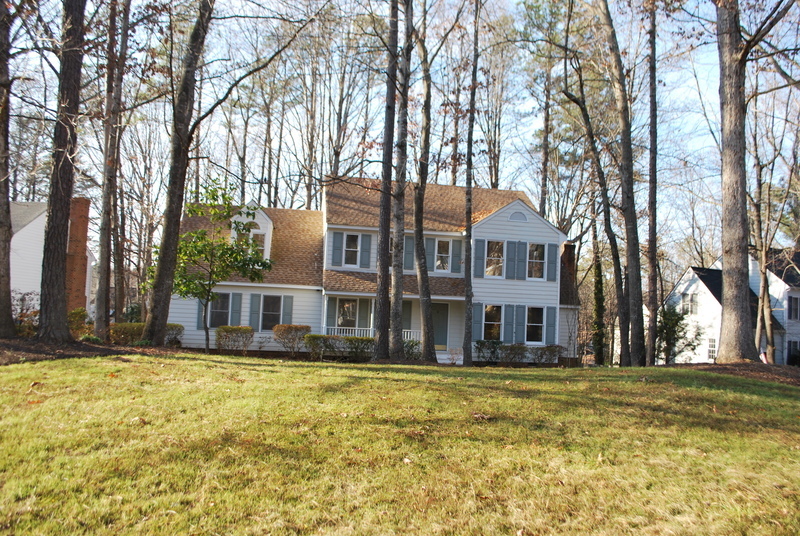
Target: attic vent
point(517, 216)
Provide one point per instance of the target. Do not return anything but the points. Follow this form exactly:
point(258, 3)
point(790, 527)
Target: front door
point(440, 313)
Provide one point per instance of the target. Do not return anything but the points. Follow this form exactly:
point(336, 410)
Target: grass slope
point(202, 445)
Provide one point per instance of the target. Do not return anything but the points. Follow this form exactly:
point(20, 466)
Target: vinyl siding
point(708, 317)
point(27, 246)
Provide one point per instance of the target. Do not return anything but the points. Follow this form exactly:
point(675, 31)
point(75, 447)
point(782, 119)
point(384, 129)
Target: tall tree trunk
point(632, 250)
point(118, 235)
point(180, 142)
point(652, 239)
point(467, 346)
point(113, 128)
point(7, 328)
point(599, 306)
point(53, 312)
point(382, 304)
point(545, 142)
point(398, 212)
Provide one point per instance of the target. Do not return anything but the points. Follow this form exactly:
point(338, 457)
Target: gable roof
point(297, 242)
point(24, 213)
point(785, 263)
point(356, 202)
point(712, 279)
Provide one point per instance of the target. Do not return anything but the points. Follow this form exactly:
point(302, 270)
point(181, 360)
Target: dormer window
point(259, 238)
point(259, 228)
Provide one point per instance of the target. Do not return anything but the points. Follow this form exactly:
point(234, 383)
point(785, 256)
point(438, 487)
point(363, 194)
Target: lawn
point(225, 445)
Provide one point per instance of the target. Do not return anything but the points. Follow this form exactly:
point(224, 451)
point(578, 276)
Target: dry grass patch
point(209, 444)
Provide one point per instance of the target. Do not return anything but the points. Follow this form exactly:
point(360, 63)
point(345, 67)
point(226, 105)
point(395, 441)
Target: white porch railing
point(408, 334)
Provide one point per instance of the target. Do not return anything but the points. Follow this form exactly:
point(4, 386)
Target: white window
point(712, 350)
point(536, 261)
point(351, 243)
point(442, 255)
point(492, 322)
point(534, 325)
point(793, 353)
point(495, 251)
point(219, 310)
point(794, 308)
point(270, 312)
point(256, 235)
point(346, 313)
point(689, 303)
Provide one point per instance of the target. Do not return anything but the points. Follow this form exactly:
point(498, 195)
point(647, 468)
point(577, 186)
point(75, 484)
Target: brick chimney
point(77, 259)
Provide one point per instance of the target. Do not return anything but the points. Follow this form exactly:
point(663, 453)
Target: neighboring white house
point(325, 271)
point(699, 294)
point(27, 248)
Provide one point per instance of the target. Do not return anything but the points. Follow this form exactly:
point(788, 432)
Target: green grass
point(223, 445)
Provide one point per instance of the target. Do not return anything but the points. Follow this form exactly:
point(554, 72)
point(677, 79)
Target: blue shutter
point(430, 253)
point(366, 246)
point(286, 316)
point(455, 261)
point(480, 257)
point(477, 321)
point(511, 260)
point(338, 247)
point(406, 314)
point(408, 253)
point(236, 308)
point(520, 324)
point(363, 313)
point(508, 323)
point(330, 318)
point(255, 312)
point(522, 260)
point(552, 260)
point(550, 325)
point(199, 315)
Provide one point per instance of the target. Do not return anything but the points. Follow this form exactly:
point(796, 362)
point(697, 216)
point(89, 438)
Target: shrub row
point(129, 333)
point(337, 347)
point(234, 338)
point(517, 353)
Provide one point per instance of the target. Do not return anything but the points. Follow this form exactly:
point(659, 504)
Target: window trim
point(503, 259)
point(345, 249)
point(793, 311)
point(210, 305)
point(689, 303)
point(542, 325)
point(261, 310)
point(499, 324)
point(449, 255)
point(543, 262)
point(712, 349)
point(339, 300)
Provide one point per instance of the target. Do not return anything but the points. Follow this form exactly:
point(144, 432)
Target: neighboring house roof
point(367, 282)
point(356, 202)
point(712, 279)
point(785, 263)
point(297, 242)
point(24, 213)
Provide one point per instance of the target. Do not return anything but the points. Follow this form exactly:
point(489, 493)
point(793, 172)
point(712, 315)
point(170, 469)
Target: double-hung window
point(689, 303)
point(492, 322)
point(351, 243)
point(794, 308)
point(442, 255)
point(534, 325)
point(346, 313)
point(495, 254)
point(219, 310)
point(536, 261)
point(270, 312)
point(712, 350)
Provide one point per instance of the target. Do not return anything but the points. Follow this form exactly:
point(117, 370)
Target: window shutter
point(480, 258)
point(366, 246)
point(236, 308)
point(338, 247)
point(522, 260)
point(550, 325)
point(508, 323)
point(406, 314)
point(199, 315)
point(363, 313)
point(552, 260)
point(288, 304)
point(520, 324)
point(511, 260)
point(477, 321)
point(408, 253)
point(430, 253)
point(330, 318)
point(255, 312)
point(455, 261)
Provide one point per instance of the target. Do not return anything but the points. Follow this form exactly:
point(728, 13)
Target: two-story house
point(325, 271)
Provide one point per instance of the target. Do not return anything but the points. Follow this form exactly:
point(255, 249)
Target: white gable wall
point(707, 318)
point(27, 246)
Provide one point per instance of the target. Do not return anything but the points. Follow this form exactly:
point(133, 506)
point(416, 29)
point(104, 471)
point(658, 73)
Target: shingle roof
point(341, 281)
point(297, 244)
point(24, 213)
point(712, 279)
point(785, 263)
point(356, 202)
